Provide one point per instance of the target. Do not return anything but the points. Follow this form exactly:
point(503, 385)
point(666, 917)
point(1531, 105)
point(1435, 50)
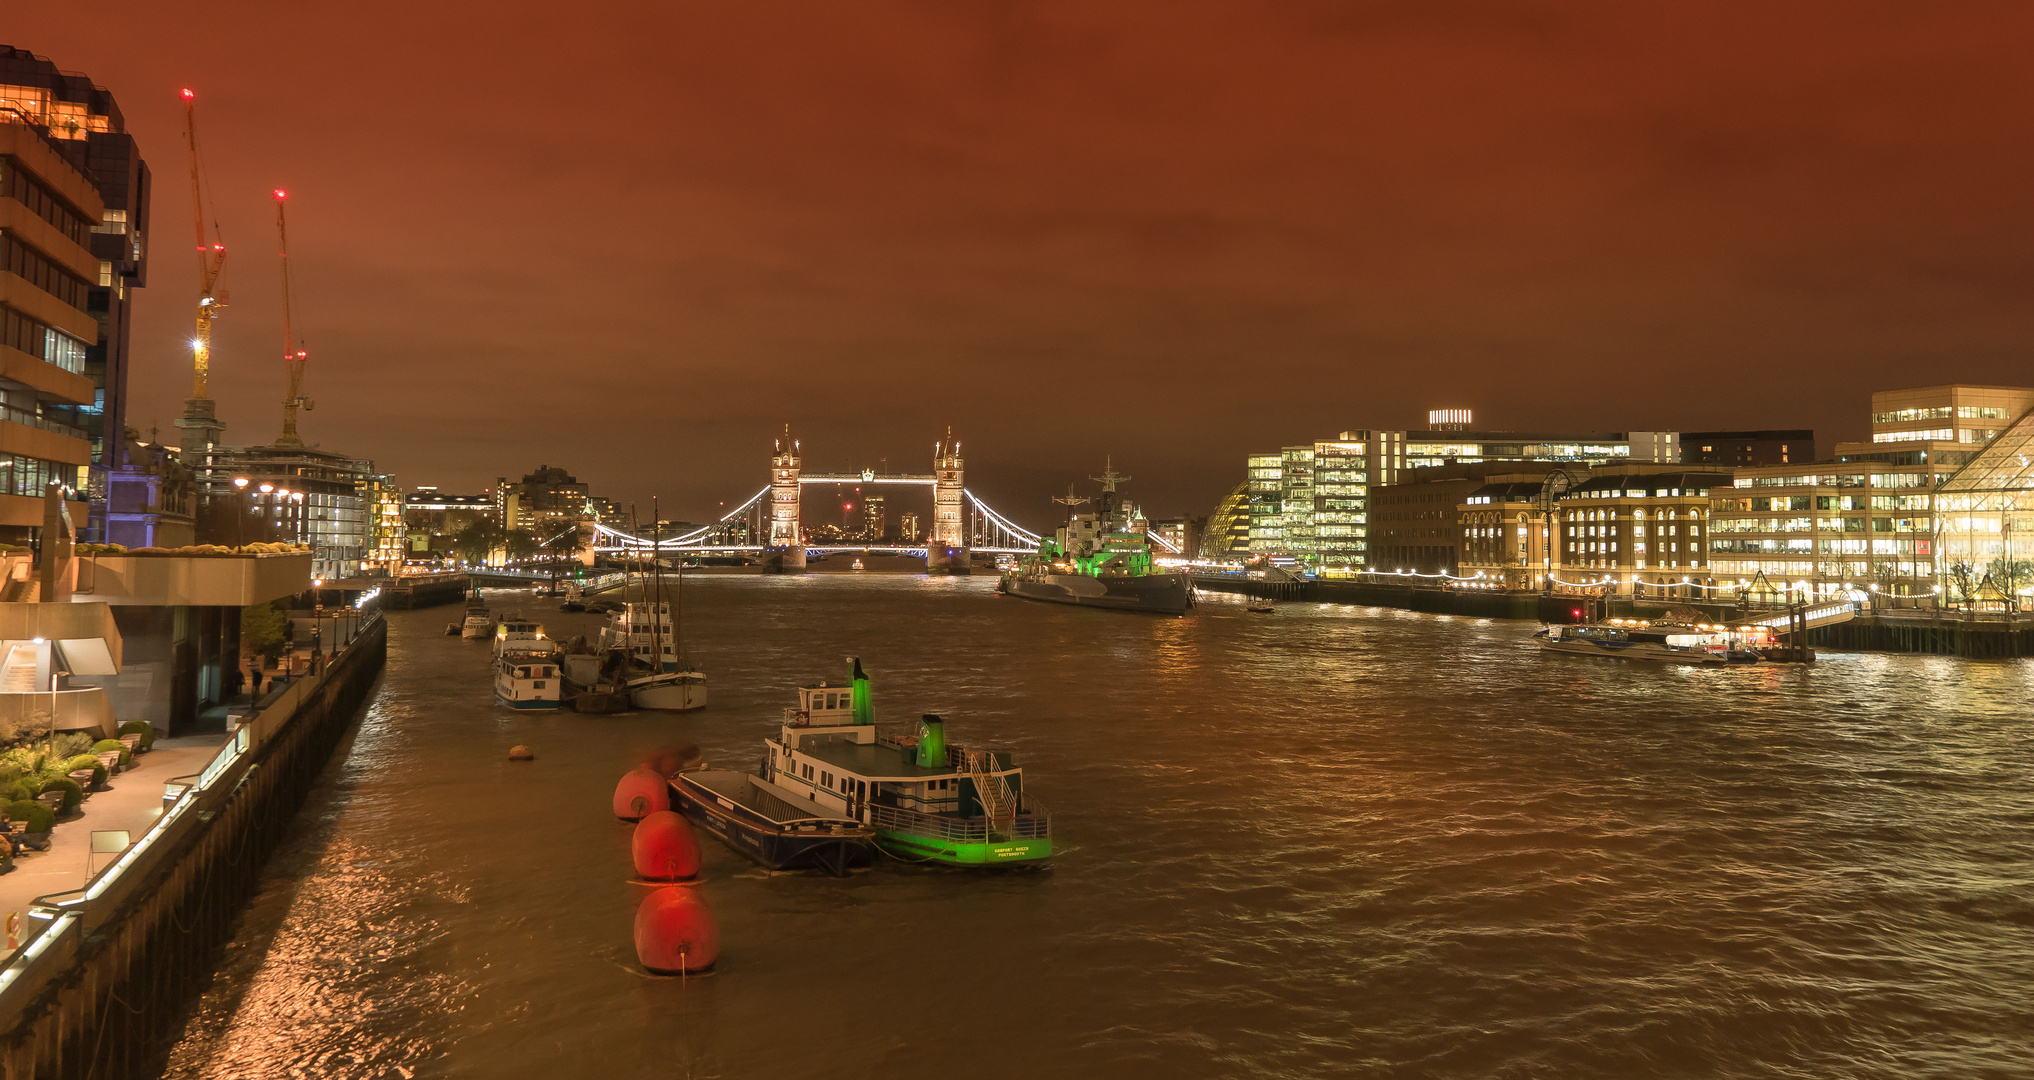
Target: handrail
point(184, 795)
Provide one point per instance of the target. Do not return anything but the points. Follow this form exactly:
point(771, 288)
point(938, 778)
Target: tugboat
point(526, 666)
point(928, 802)
point(1633, 639)
point(1100, 560)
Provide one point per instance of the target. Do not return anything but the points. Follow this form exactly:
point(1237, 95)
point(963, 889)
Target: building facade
point(83, 124)
point(1643, 528)
point(1735, 448)
point(295, 494)
point(48, 209)
point(545, 502)
point(432, 518)
point(1867, 520)
point(1317, 505)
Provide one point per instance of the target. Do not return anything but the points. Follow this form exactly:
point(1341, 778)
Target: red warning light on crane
point(187, 94)
point(280, 194)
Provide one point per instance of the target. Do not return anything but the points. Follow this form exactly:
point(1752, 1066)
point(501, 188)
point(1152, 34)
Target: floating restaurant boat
point(771, 825)
point(1634, 639)
point(928, 802)
point(1099, 560)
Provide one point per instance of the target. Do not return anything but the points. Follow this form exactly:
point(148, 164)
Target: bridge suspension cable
point(696, 537)
point(1016, 536)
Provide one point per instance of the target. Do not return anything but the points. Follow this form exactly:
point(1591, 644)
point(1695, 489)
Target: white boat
point(527, 681)
point(1633, 639)
point(644, 632)
point(858, 565)
point(1260, 605)
point(479, 623)
point(667, 691)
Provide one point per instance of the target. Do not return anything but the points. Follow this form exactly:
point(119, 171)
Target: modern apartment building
point(1867, 519)
point(89, 253)
point(545, 502)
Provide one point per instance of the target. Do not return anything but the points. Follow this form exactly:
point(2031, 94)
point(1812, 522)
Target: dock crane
point(211, 261)
point(294, 356)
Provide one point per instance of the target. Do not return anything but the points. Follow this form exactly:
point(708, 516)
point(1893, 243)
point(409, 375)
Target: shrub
point(33, 816)
point(73, 794)
point(108, 746)
point(18, 791)
point(92, 762)
point(72, 743)
point(142, 728)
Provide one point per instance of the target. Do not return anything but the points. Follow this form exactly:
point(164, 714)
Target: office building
point(1768, 447)
point(1418, 525)
point(88, 253)
point(294, 494)
point(1868, 519)
point(1313, 503)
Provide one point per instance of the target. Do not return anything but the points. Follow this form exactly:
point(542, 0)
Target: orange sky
point(634, 240)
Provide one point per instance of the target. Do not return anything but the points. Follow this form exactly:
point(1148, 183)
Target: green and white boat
point(927, 801)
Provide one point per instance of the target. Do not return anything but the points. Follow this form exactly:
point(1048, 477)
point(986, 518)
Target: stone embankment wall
point(101, 992)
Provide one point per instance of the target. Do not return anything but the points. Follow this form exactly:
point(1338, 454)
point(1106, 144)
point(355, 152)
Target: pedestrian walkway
point(133, 805)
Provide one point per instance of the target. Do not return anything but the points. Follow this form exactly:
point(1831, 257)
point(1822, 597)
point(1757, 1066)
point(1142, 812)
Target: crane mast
point(211, 261)
point(294, 356)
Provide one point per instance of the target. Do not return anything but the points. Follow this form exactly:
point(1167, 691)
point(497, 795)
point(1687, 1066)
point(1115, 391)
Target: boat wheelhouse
point(927, 801)
point(1674, 643)
point(515, 634)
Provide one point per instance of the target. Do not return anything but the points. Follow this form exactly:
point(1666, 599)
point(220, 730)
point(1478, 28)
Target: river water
point(1330, 841)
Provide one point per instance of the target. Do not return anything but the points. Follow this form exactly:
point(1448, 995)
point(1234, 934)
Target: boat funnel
point(864, 708)
point(931, 741)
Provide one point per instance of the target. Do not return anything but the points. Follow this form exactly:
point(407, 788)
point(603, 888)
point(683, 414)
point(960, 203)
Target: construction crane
point(211, 260)
point(294, 356)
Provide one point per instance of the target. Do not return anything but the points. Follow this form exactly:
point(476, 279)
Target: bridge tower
point(946, 550)
point(784, 550)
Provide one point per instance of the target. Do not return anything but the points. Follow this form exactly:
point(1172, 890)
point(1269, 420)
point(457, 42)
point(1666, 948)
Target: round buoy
point(665, 848)
point(640, 792)
point(520, 752)
point(675, 934)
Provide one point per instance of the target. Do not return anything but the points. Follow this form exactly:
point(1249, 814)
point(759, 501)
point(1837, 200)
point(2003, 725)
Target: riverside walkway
point(133, 805)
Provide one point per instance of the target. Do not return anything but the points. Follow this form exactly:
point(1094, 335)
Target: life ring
point(800, 718)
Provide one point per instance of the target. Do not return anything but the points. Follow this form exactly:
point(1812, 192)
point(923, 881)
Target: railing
point(1030, 822)
point(184, 799)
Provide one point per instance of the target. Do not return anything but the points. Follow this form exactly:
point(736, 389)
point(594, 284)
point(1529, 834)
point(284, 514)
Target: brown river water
point(1329, 841)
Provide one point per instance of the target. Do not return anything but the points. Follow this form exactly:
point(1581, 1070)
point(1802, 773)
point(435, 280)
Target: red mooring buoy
point(675, 934)
point(665, 848)
point(640, 793)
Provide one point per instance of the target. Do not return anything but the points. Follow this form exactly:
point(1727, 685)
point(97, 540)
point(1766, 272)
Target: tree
point(521, 544)
point(478, 540)
point(264, 629)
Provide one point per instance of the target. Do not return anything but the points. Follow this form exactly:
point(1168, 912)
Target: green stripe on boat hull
point(964, 853)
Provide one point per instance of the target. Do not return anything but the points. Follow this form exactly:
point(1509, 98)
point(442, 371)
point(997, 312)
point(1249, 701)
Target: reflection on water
point(1328, 841)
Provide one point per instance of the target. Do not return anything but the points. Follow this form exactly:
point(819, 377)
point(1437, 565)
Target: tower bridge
point(961, 523)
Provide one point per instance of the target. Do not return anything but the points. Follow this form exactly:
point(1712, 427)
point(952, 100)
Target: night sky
point(635, 240)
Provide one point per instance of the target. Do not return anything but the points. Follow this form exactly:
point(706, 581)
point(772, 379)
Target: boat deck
point(878, 761)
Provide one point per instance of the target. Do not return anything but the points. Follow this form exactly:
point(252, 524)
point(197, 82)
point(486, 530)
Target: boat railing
point(1031, 822)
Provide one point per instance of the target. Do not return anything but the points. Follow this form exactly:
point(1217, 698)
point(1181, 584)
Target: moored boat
point(1102, 560)
point(769, 824)
point(1632, 639)
point(927, 801)
point(524, 681)
point(479, 623)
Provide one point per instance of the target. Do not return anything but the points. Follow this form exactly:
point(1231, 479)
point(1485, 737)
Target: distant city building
point(545, 502)
point(1417, 524)
point(388, 537)
point(907, 528)
point(297, 494)
point(1179, 536)
point(1312, 502)
point(79, 256)
point(1642, 527)
point(431, 518)
point(1936, 500)
point(1227, 535)
point(1768, 447)
point(875, 518)
point(151, 499)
